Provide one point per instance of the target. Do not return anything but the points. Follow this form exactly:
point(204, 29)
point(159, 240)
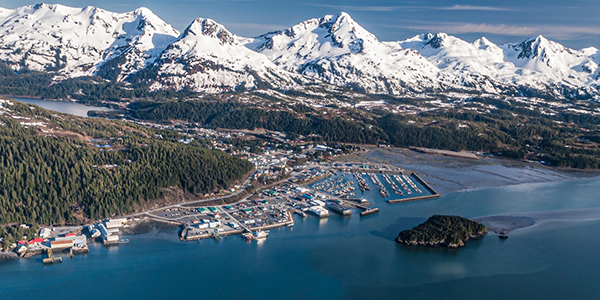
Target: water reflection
point(63, 106)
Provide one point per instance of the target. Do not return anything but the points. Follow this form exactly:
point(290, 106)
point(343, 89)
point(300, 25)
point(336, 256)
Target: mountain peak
point(483, 43)
point(143, 11)
point(209, 28)
point(437, 41)
point(340, 20)
point(537, 46)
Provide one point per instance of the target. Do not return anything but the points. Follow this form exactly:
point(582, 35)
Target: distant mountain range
point(140, 47)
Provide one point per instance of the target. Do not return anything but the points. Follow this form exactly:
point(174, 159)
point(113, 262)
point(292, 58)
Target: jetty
point(434, 193)
point(369, 211)
point(51, 259)
point(366, 210)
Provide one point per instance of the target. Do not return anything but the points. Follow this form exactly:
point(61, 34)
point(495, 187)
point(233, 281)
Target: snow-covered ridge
point(338, 50)
point(535, 63)
point(209, 58)
point(77, 41)
point(334, 49)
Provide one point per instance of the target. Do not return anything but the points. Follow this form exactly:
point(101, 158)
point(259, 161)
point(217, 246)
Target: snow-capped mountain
point(536, 63)
point(79, 41)
point(339, 51)
point(209, 58)
point(139, 47)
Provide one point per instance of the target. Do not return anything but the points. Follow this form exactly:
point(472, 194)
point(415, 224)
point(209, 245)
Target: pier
point(434, 193)
point(366, 210)
point(369, 211)
point(51, 259)
point(338, 208)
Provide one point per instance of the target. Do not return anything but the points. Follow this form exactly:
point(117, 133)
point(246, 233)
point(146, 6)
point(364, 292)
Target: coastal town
point(273, 195)
point(293, 177)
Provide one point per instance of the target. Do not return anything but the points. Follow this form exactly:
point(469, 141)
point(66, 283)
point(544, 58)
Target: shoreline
point(451, 174)
point(448, 174)
point(504, 224)
point(433, 184)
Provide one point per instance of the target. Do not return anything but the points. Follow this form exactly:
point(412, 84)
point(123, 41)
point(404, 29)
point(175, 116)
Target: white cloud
point(359, 8)
point(254, 26)
point(471, 7)
point(550, 31)
point(569, 32)
point(461, 28)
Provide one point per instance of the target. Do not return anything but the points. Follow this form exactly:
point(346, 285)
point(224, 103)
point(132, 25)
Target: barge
point(337, 207)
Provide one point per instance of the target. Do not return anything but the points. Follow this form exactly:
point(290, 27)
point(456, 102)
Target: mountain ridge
point(138, 46)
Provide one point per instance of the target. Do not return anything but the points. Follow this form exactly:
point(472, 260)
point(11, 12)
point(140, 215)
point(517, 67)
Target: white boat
point(95, 233)
point(260, 234)
point(256, 235)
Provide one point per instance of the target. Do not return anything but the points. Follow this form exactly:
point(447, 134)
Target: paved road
point(179, 205)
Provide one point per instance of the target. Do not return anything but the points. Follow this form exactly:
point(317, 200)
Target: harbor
point(341, 190)
point(318, 252)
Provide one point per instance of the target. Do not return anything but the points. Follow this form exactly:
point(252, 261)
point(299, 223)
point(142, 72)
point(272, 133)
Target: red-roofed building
point(61, 244)
point(38, 240)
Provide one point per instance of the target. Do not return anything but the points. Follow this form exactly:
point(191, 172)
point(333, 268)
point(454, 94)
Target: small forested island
point(444, 231)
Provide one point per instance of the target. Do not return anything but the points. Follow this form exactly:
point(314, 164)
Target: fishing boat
point(256, 235)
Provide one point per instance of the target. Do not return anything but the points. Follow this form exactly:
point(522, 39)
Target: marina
point(276, 206)
point(318, 251)
point(270, 207)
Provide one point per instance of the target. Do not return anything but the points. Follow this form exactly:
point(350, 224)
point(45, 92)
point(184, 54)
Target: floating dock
point(434, 193)
point(369, 211)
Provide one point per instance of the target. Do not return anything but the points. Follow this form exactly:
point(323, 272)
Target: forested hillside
point(239, 115)
point(56, 173)
point(564, 140)
point(89, 90)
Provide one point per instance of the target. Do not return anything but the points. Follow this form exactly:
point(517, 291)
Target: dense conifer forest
point(64, 177)
point(509, 131)
point(442, 230)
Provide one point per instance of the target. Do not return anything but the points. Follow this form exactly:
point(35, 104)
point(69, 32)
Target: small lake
point(67, 107)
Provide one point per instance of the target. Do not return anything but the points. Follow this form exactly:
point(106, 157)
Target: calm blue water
point(346, 258)
point(63, 106)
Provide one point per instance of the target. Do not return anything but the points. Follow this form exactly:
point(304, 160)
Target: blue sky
point(575, 23)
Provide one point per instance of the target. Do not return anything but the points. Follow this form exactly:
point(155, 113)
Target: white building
point(45, 233)
point(115, 223)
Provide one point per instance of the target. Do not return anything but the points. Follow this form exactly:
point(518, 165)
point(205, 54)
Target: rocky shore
point(7, 255)
point(460, 243)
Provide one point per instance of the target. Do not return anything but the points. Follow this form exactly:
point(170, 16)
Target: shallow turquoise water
point(347, 258)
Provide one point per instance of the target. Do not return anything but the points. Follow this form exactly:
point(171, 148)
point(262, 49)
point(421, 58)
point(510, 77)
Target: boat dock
point(51, 259)
point(366, 210)
point(434, 193)
point(369, 211)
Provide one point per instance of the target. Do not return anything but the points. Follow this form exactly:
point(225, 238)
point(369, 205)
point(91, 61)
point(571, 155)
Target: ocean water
point(347, 257)
point(73, 108)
